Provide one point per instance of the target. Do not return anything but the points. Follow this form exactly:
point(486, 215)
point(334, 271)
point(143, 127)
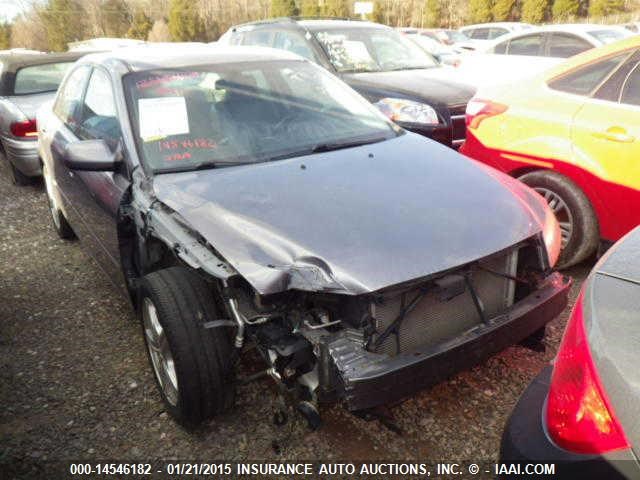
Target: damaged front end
point(379, 347)
point(324, 342)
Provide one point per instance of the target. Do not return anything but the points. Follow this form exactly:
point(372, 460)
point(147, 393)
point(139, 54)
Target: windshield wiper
point(329, 147)
point(423, 67)
point(201, 166)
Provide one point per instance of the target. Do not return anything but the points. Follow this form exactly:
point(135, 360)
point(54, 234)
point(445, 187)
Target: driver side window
point(69, 101)
point(99, 118)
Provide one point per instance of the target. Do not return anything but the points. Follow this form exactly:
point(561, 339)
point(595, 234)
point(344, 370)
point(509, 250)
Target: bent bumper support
point(366, 379)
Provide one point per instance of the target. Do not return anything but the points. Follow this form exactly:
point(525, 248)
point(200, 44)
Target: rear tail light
point(26, 128)
point(580, 418)
point(479, 110)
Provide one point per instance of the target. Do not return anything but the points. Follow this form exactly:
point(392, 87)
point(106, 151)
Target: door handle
point(615, 134)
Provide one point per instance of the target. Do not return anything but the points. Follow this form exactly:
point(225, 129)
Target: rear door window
point(40, 78)
point(631, 88)
point(584, 80)
point(501, 48)
point(612, 88)
point(564, 45)
point(527, 45)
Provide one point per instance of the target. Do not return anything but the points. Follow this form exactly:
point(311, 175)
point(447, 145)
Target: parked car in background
point(521, 55)
point(27, 80)
point(246, 196)
point(446, 55)
point(441, 35)
point(582, 413)
point(572, 134)
point(480, 35)
point(633, 27)
point(400, 78)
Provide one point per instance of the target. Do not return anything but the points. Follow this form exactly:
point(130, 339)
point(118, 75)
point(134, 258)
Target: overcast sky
point(10, 8)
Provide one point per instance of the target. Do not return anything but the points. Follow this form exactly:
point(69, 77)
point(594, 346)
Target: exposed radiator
point(435, 320)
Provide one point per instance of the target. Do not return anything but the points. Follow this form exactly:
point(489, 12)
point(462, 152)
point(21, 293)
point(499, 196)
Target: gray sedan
point(26, 82)
point(583, 414)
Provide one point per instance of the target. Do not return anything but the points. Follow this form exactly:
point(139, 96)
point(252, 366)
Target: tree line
point(51, 24)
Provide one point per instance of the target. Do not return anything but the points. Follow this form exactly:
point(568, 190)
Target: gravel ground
point(75, 382)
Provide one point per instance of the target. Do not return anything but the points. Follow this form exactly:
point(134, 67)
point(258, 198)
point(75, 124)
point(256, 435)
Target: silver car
point(26, 82)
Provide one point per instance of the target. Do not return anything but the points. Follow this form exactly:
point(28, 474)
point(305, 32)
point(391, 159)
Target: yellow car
point(573, 135)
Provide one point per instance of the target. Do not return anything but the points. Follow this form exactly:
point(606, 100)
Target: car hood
point(434, 85)
point(29, 104)
point(354, 220)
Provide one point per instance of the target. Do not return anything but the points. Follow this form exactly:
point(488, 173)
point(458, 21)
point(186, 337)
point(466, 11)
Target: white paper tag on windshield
point(162, 117)
point(357, 51)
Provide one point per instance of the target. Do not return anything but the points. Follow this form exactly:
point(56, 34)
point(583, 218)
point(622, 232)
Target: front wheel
point(192, 364)
point(573, 210)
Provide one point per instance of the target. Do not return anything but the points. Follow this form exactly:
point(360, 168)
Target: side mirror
point(91, 156)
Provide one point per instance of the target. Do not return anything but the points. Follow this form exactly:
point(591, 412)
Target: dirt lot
point(75, 383)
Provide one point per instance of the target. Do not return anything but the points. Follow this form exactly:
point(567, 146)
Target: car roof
point(494, 24)
point(332, 23)
point(178, 55)
point(13, 61)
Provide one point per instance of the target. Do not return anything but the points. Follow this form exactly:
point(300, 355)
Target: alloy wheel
point(160, 352)
point(561, 211)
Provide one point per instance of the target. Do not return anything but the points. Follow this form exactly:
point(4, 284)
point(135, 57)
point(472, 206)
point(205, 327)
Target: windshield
point(429, 44)
point(608, 36)
point(40, 78)
point(209, 116)
point(372, 50)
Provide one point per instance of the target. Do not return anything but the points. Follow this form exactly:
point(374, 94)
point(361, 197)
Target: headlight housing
point(401, 110)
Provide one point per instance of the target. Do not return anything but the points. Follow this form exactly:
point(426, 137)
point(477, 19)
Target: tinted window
point(585, 79)
point(631, 88)
point(563, 45)
point(501, 48)
point(294, 42)
point(69, 102)
point(480, 34)
point(40, 78)
point(259, 37)
point(528, 45)
point(497, 32)
point(99, 119)
point(610, 90)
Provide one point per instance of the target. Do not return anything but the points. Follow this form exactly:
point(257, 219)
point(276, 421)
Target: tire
point(59, 221)
point(200, 358)
point(19, 178)
point(573, 210)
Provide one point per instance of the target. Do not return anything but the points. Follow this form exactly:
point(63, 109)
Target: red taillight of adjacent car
point(26, 128)
point(580, 418)
point(479, 110)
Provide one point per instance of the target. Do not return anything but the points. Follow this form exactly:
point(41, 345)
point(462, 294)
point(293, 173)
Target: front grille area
point(434, 319)
point(459, 127)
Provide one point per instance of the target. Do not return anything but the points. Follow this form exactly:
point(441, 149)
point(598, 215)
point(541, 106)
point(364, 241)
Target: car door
point(93, 198)
point(606, 136)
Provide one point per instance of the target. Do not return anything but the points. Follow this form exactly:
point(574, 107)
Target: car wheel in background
point(578, 223)
point(18, 177)
point(60, 224)
point(192, 364)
